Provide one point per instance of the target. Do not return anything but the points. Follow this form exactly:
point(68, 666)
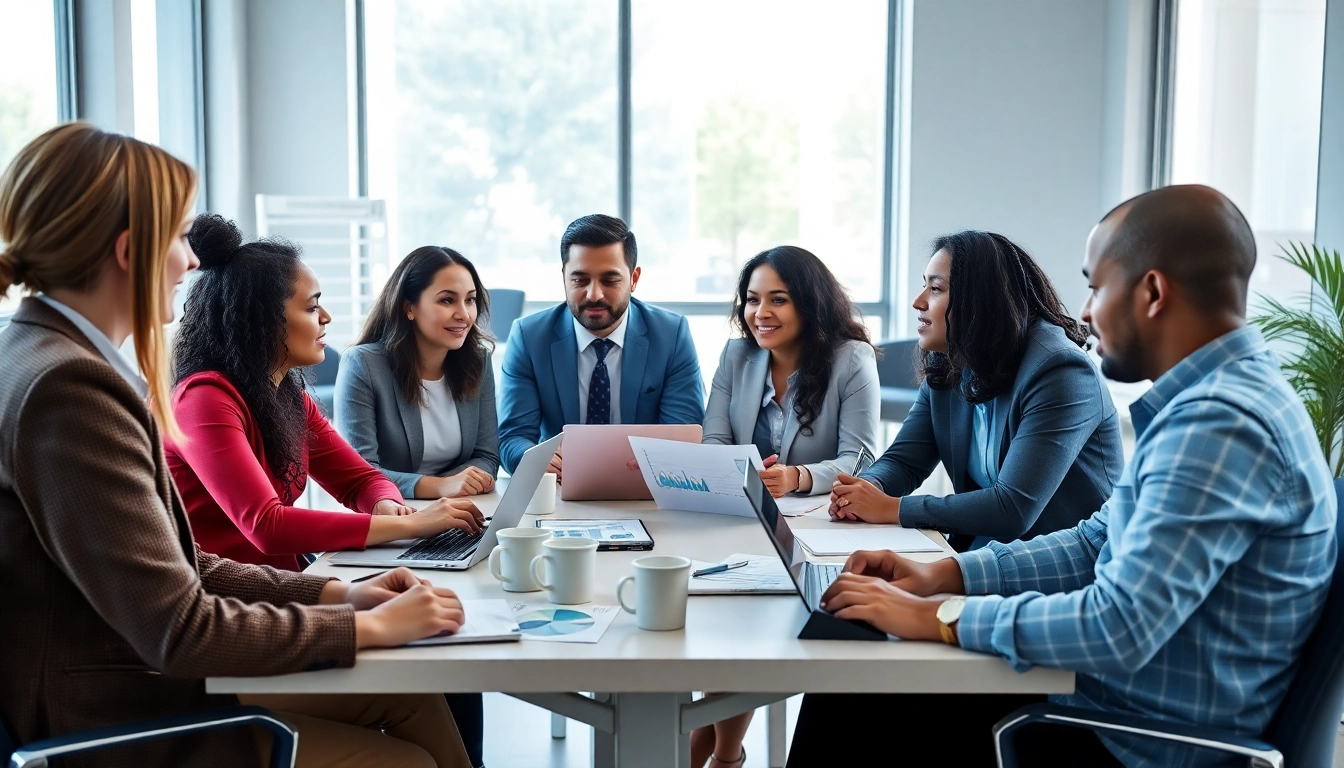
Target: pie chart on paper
point(555, 621)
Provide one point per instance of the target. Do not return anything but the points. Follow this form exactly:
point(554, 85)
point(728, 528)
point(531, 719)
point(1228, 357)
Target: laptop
point(811, 579)
point(455, 549)
point(596, 458)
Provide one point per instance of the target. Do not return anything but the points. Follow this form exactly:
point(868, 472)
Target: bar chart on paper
point(695, 477)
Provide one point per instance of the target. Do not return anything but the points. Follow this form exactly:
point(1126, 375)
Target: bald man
point(1189, 595)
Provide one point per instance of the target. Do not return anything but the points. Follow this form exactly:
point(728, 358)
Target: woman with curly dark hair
point(251, 435)
point(800, 384)
point(1010, 404)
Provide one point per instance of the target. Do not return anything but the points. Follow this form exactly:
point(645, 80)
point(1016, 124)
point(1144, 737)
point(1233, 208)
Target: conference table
point(743, 647)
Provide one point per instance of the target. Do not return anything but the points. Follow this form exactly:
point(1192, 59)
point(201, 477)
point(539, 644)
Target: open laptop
point(455, 549)
point(596, 458)
point(811, 579)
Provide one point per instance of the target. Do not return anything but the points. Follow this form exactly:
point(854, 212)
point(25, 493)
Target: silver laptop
point(455, 549)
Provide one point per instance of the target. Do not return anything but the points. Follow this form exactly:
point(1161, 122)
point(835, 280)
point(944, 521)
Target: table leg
point(603, 745)
point(648, 730)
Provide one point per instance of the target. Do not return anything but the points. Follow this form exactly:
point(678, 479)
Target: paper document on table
point(488, 621)
point(693, 477)
point(762, 575)
point(829, 542)
point(552, 623)
point(797, 506)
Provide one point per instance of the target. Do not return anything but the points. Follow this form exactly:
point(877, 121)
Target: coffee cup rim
point(528, 533)
point(571, 542)
point(680, 562)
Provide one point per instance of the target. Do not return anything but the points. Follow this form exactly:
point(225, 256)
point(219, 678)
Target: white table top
point(731, 643)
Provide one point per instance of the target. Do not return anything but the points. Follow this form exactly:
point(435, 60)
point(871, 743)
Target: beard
point(1122, 359)
point(614, 314)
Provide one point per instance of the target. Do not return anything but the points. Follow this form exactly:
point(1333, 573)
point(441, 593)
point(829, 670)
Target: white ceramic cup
point(565, 570)
point(661, 585)
point(511, 559)
point(543, 501)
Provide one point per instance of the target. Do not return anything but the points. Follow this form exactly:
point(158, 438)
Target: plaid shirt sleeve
point(1181, 517)
point(1057, 562)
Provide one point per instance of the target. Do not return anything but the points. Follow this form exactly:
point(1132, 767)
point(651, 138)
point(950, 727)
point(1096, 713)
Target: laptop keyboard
point(819, 578)
point(452, 544)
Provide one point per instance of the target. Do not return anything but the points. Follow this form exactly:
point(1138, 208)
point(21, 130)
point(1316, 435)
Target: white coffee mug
point(568, 566)
point(543, 501)
point(511, 559)
point(661, 585)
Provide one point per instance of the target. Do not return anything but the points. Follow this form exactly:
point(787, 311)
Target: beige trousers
point(340, 730)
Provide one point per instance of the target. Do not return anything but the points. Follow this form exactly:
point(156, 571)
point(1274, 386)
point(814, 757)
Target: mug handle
point(495, 564)
point(620, 585)
point(536, 571)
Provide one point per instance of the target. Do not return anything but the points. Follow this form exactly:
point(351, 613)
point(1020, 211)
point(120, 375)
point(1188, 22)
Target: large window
point(28, 93)
point(491, 124)
point(1247, 116)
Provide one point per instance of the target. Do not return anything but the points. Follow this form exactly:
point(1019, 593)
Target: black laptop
point(811, 579)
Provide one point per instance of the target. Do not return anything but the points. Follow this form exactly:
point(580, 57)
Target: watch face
point(950, 610)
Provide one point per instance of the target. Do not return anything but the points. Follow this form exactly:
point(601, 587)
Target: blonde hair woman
point(122, 616)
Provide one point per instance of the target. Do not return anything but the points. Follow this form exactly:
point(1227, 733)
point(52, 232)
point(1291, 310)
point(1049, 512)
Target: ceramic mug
point(565, 570)
point(511, 559)
point(661, 586)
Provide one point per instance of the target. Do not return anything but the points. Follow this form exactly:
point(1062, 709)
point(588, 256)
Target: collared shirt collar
point(1233, 345)
point(102, 344)
point(768, 397)
point(585, 337)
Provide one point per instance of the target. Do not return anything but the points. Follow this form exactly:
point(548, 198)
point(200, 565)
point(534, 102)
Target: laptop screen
point(777, 528)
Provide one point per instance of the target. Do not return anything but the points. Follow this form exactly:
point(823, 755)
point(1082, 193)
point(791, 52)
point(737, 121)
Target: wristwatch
point(948, 615)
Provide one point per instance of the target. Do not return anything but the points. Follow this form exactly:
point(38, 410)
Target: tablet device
point(610, 535)
point(597, 459)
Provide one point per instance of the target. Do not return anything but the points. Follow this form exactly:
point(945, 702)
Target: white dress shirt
point(103, 345)
point(588, 361)
point(441, 427)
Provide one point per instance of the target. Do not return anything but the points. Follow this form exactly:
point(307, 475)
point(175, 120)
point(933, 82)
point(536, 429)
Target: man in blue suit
point(603, 357)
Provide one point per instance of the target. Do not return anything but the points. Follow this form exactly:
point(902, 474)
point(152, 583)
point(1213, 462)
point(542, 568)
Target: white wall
point(1027, 118)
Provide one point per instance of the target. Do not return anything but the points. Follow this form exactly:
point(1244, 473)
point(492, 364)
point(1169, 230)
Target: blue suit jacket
point(1059, 449)
point(660, 376)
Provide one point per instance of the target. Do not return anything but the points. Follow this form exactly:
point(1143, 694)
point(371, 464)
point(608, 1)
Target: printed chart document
point(696, 478)
point(828, 542)
point(488, 621)
point(609, 534)
point(548, 622)
point(762, 575)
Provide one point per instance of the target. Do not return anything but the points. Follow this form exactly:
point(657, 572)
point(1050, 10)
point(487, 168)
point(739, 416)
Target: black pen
point(369, 576)
point(858, 462)
point(720, 568)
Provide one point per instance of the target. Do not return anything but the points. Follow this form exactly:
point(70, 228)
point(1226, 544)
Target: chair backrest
point(897, 366)
point(506, 305)
point(324, 373)
point(1305, 727)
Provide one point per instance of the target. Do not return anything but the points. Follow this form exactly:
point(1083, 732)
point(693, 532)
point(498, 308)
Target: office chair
point(506, 305)
point(284, 748)
point(323, 387)
point(897, 378)
point(1302, 733)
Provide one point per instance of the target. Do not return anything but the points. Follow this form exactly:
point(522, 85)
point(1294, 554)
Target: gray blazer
point(1059, 449)
point(373, 417)
point(847, 420)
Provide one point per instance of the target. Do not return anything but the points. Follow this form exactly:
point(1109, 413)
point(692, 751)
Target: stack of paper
point(842, 541)
point(762, 575)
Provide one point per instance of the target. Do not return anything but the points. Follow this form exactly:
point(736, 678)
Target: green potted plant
point(1312, 326)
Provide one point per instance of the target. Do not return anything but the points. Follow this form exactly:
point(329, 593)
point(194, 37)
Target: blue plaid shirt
point(1188, 596)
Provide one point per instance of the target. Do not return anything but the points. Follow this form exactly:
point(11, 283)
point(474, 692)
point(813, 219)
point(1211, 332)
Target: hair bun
point(215, 240)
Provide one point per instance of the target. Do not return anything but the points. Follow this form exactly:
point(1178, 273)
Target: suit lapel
point(413, 427)
point(755, 371)
point(1002, 404)
point(468, 419)
point(565, 365)
point(634, 355)
point(962, 420)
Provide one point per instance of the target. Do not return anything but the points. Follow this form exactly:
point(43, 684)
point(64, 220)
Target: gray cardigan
point(847, 420)
point(386, 430)
point(1059, 449)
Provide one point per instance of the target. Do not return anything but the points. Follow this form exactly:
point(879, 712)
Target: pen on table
point(720, 568)
point(368, 576)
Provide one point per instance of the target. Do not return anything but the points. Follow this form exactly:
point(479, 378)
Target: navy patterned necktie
point(599, 387)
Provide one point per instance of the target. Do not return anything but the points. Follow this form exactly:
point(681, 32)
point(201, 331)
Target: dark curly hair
point(827, 314)
point(996, 292)
point(234, 324)
point(387, 324)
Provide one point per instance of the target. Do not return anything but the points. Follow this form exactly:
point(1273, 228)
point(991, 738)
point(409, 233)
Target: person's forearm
point(428, 487)
point(947, 577)
point(385, 528)
point(333, 592)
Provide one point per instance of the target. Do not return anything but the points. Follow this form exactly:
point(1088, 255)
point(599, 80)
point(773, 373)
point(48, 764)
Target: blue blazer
point(1059, 449)
point(387, 431)
point(660, 376)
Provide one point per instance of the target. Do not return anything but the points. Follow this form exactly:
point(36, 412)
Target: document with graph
point(696, 478)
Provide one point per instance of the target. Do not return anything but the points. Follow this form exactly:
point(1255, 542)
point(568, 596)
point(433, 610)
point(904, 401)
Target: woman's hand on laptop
point(420, 611)
point(444, 514)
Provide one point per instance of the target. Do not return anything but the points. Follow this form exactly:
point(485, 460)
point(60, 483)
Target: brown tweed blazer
point(108, 611)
